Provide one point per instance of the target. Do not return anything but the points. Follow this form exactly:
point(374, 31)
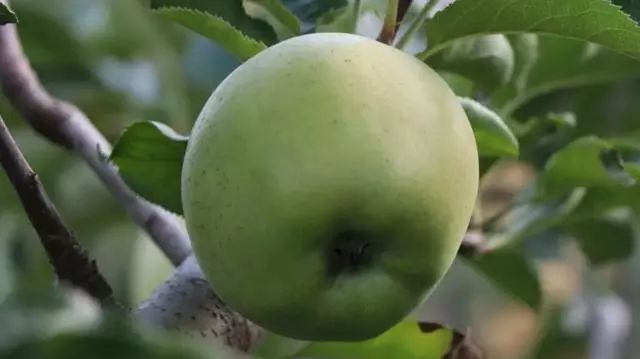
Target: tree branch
point(416, 24)
point(403, 7)
point(67, 126)
point(396, 11)
point(473, 243)
point(187, 304)
point(186, 295)
point(69, 260)
point(388, 31)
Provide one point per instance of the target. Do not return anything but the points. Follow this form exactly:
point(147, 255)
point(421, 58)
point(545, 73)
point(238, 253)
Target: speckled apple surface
point(327, 186)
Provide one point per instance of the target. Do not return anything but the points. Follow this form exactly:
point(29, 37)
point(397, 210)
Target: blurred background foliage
point(120, 63)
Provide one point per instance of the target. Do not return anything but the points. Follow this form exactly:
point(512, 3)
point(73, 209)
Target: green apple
point(327, 185)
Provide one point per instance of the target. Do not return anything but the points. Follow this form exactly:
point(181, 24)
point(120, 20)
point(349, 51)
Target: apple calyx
point(350, 252)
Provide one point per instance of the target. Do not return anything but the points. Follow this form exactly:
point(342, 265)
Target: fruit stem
point(416, 24)
point(389, 28)
point(357, 9)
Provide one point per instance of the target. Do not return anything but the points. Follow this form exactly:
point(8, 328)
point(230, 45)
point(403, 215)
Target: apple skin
point(327, 185)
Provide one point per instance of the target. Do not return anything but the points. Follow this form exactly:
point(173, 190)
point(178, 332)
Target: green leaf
point(493, 137)
point(216, 29)
point(600, 200)
point(117, 342)
point(629, 150)
point(557, 340)
point(631, 7)
point(231, 12)
point(273, 12)
point(597, 21)
point(57, 52)
point(487, 60)
point(511, 271)
point(338, 20)
point(460, 85)
point(586, 162)
point(525, 53)
point(274, 346)
point(608, 108)
point(563, 63)
point(6, 15)
point(78, 345)
point(533, 216)
point(603, 240)
point(406, 340)
point(541, 136)
point(309, 11)
point(633, 169)
point(149, 157)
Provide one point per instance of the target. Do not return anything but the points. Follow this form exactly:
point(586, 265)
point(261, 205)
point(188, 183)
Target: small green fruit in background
point(327, 186)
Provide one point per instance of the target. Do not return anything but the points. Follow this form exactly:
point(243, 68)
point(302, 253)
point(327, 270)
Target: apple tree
point(352, 158)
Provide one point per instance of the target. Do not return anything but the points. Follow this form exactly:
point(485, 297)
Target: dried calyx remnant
point(349, 252)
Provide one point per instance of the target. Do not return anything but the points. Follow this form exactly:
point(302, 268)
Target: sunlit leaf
point(406, 340)
point(216, 29)
point(284, 23)
point(7, 16)
point(231, 12)
point(563, 63)
point(586, 162)
point(487, 60)
point(597, 21)
point(492, 135)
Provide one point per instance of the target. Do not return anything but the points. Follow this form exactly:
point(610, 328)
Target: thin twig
point(187, 304)
point(67, 126)
point(388, 31)
point(473, 243)
point(416, 24)
point(69, 260)
point(357, 10)
point(403, 7)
